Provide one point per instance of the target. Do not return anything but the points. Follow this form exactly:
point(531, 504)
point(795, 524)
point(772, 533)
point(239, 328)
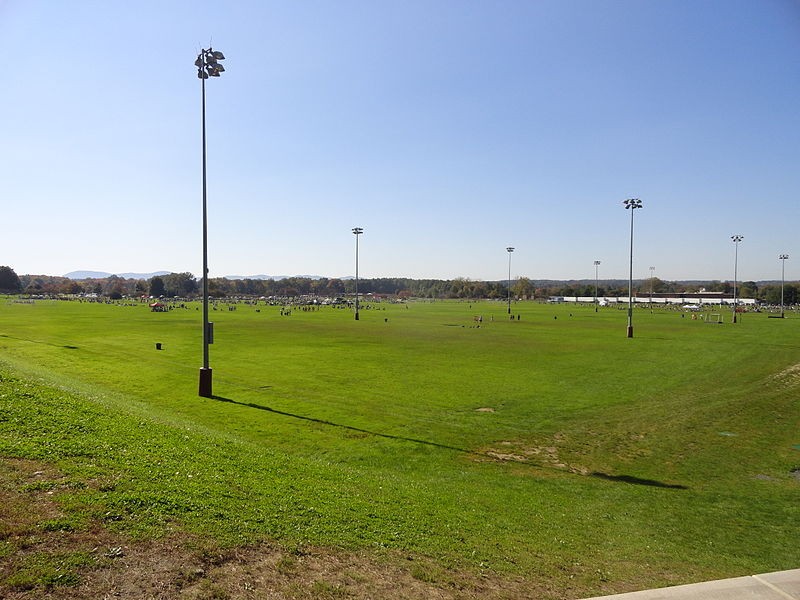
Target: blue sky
point(448, 130)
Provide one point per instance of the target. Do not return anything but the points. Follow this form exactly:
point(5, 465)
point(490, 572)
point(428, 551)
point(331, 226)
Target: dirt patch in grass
point(789, 377)
point(536, 455)
point(47, 553)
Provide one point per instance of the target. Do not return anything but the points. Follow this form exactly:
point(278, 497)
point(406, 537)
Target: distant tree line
point(186, 285)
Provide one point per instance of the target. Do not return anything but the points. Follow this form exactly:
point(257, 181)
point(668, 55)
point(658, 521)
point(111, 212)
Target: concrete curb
point(781, 585)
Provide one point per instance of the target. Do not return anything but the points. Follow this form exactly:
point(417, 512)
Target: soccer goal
point(714, 318)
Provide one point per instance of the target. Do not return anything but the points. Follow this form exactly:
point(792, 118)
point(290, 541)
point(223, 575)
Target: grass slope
point(608, 463)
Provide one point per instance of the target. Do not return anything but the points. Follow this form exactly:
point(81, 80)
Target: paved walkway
point(783, 585)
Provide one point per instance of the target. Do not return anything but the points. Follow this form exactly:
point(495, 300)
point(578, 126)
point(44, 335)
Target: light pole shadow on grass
point(349, 427)
point(638, 481)
point(619, 478)
point(11, 337)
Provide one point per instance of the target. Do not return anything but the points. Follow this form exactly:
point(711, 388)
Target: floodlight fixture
point(632, 203)
point(207, 63)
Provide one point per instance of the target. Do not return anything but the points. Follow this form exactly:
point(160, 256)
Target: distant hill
point(102, 275)
point(273, 277)
point(278, 277)
point(143, 275)
point(87, 275)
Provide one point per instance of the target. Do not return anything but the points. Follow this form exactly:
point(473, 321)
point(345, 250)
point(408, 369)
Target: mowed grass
point(604, 464)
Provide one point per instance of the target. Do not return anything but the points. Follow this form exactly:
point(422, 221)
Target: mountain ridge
point(78, 275)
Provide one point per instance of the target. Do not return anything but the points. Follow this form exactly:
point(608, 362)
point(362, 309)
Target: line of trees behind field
point(186, 285)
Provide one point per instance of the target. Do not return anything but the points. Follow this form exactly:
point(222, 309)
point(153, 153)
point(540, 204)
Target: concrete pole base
point(205, 383)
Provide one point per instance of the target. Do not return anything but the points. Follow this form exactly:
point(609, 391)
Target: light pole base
point(205, 382)
point(630, 331)
point(734, 317)
point(356, 316)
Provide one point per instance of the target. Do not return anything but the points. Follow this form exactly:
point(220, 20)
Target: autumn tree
point(72, 287)
point(110, 285)
point(655, 284)
point(522, 288)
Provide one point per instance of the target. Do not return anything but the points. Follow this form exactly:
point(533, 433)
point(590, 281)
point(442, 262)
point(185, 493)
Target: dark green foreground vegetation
point(604, 464)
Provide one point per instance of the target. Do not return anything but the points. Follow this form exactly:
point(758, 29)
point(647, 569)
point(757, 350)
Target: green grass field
point(598, 463)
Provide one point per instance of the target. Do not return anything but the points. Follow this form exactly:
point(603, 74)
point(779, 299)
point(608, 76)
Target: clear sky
point(448, 130)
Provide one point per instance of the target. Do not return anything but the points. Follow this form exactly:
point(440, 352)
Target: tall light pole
point(509, 250)
point(596, 265)
point(632, 204)
point(782, 258)
point(652, 269)
point(736, 239)
point(357, 231)
point(208, 65)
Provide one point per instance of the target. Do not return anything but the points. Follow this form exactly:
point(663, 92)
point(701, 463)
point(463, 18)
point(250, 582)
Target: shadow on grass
point(349, 427)
point(11, 337)
point(620, 478)
point(638, 481)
